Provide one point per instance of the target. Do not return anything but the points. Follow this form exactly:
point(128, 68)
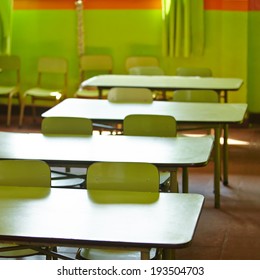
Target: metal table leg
point(185, 180)
point(217, 166)
point(174, 182)
point(225, 156)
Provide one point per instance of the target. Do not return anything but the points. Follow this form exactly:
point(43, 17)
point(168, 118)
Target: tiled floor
point(233, 231)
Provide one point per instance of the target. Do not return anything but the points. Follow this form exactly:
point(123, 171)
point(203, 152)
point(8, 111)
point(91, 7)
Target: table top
point(182, 111)
point(166, 152)
point(84, 218)
point(164, 82)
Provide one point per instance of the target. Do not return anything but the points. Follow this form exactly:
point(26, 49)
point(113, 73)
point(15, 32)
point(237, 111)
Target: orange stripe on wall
point(42, 5)
point(226, 5)
point(254, 5)
point(88, 4)
point(123, 4)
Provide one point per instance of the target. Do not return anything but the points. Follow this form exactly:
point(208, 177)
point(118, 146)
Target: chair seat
point(67, 182)
point(89, 93)
point(164, 176)
point(41, 92)
point(146, 70)
point(16, 253)
point(112, 254)
point(7, 90)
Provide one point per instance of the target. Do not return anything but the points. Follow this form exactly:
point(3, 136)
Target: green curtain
point(6, 8)
point(183, 27)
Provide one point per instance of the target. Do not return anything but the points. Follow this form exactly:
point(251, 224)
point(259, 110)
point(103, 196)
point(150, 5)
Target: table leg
point(185, 180)
point(174, 182)
point(145, 254)
point(217, 166)
point(225, 96)
point(225, 155)
point(168, 254)
point(99, 92)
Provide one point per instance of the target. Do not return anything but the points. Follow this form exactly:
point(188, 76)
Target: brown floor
point(233, 231)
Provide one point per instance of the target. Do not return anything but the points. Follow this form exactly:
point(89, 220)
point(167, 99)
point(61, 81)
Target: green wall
point(225, 49)
point(37, 33)
point(118, 33)
point(122, 33)
point(254, 62)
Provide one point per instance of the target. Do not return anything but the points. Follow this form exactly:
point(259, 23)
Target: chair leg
point(33, 110)
point(22, 106)
point(9, 110)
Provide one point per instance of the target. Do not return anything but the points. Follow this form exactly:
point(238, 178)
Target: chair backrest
point(123, 176)
point(57, 65)
point(48, 66)
point(134, 61)
point(25, 173)
point(205, 96)
point(146, 70)
point(130, 95)
point(66, 126)
point(194, 71)
point(10, 63)
point(95, 64)
point(150, 125)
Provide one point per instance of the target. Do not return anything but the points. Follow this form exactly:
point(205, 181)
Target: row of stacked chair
point(55, 69)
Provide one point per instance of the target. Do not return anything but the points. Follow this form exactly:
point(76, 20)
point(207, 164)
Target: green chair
point(19, 173)
point(92, 65)
point(155, 126)
point(194, 71)
point(146, 70)
point(146, 65)
point(194, 95)
point(64, 126)
point(130, 95)
point(150, 71)
point(89, 66)
point(202, 96)
point(125, 95)
point(9, 81)
point(51, 86)
point(119, 176)
point(150, 125)
point(133, 61)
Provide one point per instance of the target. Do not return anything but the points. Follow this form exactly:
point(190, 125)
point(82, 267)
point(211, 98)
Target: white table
point(213, 114)
point(171, 83)
point(164, 83)
point(40, 217)
point(166, 153)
